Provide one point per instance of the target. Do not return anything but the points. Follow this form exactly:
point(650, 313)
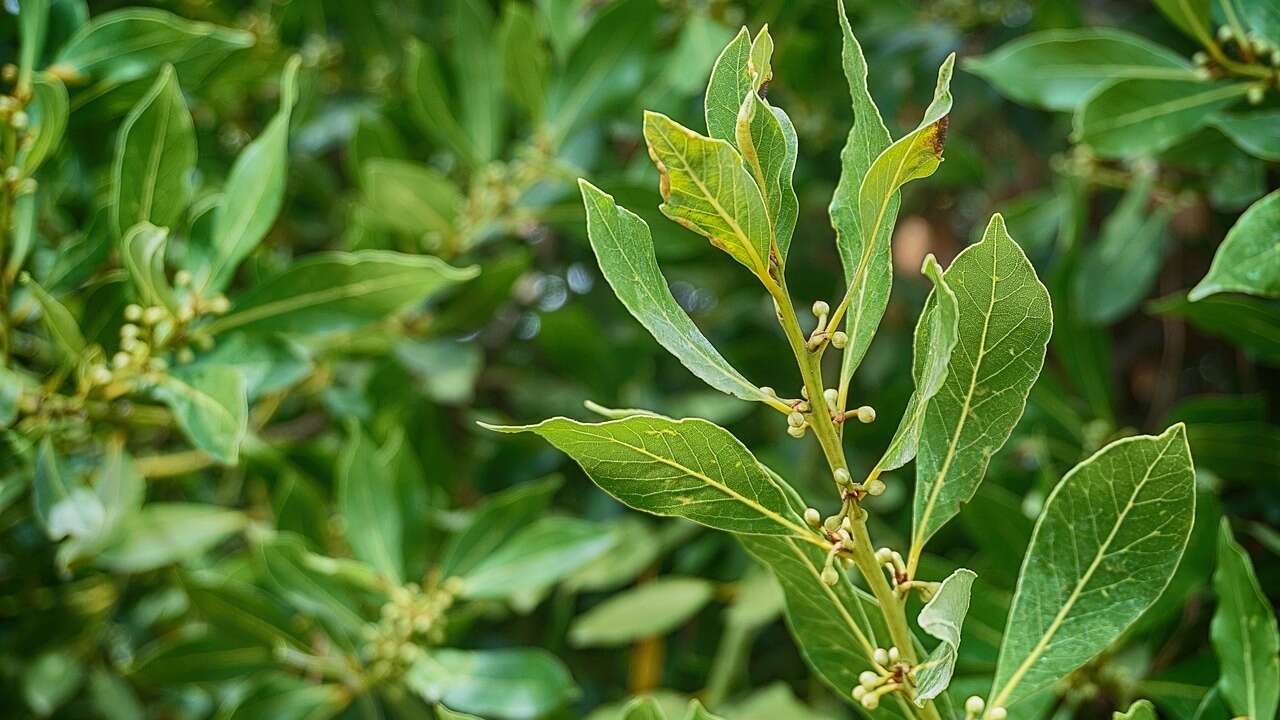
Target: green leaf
point(837, 628)
point(113, 698)
point(1190, 16)
point(1257, 133)
point(238, 608)
point(1118, 270)
point(1139, 710)
point(306, 581)
point(525, 59)
point(697, 712)
point(179, 659)
point(11, 388)
point(766, 138)
point(123, 45)
point(1248, 260)
point(50, 680)
point(943, 617)
point(155, 158)
point(411, 198)
point(643, 708)
point(254, 191)
point(268, 363)
point(62, 326)
point(446, 369)
point(477, 61)
point(283, 697)
point(624, 249)
point(33, 25)
point(1244, 634)
point(493, 523)
point(677, 468)
point(367, 500)
point(706, 188)
point(515, 684)
point(333, 291)
point(635, 549)
point(1004, 326)
point(1059, 69)
point(1263, 18)
point(1106, 544)
point(444, 713)
point(1129, 118)
point(209, 404)
point(142, 252)
point(1251, 323)
point(647, 610)
point(866, 254)
point(165, 533)
point(430, 101)
point(63, 505)
point(730, 82)
point(48, 111)
point(537, 556)
point(937, 332)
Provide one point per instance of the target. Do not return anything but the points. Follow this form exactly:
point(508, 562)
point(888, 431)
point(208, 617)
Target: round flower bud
point(100, 375)
point(182, 278)
point(842, 476)
point(1224, 34)
point(876, 487)
point(893, 654)
point(821, 308)
point(1256, 94)
point(132, 312)
point(219, 305)
point(121, 360)
point(974, 705)
point(871, 701)
point(997, 713)
point(839, 339)
point(153, 315)
point(881, 656)
point(795, 419)
point(829, 576)
point(832, 396)
point(866, 414)
point(1200, 58)
point(869, 679)
point(858, 692)
point(812, 517)
point(795, 432)
point(19, 121)
point(768, 391)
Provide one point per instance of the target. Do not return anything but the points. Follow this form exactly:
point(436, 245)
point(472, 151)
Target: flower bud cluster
point(410, 620)
point(889, 674)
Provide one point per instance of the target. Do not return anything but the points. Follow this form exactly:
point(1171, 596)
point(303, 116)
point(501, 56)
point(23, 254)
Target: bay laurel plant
point(1109, 536)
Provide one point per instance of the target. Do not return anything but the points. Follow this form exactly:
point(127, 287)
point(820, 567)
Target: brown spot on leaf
point(940, 133)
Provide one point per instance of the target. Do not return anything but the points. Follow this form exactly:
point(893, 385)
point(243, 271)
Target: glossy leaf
point(537, 556)
point(649, 609)
point(624, 249)
point(683, 468)
point(254, 189)
point(209, 404)
point(1257, 132)
point(1106, 544)
point(706, 188)
point(1004, 326)
point(943, 617)
point(1130, 118)
point(729, 83)
point(1248, 260)
point(367, 499)
point(936, 334)
point(155, 158)
point(328, 292)
point(165, 533)
point(1059, 69)
point(914, 156)
point(1244, 634)
point(505, 684)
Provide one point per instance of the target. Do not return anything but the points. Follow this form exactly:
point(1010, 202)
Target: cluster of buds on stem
point(889, 675)
point(974, 706)
point(892, 562)
point(797, 422)
point(838, 530)
point(821, 333)
point(412, 619)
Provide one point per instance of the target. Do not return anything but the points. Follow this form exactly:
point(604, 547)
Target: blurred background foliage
point(458, 129)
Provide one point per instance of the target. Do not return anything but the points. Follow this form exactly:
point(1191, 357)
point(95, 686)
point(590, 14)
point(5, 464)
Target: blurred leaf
point(431, 102)
point(647, 610)
point(1257, 132)
point(537, 556)
point(650, 463)
point(142, 251)
point(33, 24)
point(155, 158)
point(268, 363)
point(635, 548)
point(494, 522)
point(246, 611)
point(411, 198)
point(643, 708)
point(165, 533)
point(477, 62)
point(525, 60)
point(1244, 634)
point(328, 292)
point(63, 505)
point(1060, 69)
point(48, 117)
point(1191, 17)
point(58, 320)
point(1130, 118)
point(1230, 435)
point(366, 500)
point(943, 617)
point(282, 697)
point(209, 404)
point(1082, 583)
point(1140, 710)
point(50, 681)
point(447, 369)
point(1263, 18)
point(506, 684)
point(206, 658)
point(1247, 322)
point(113, 698)
point(774, 702)
point(287, 565)
point(1004, 326)
point(1248, 260)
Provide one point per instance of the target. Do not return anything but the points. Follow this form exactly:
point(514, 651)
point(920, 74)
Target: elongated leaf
point(650, 609)
point(48, 112)
point(328, 292)
point(1139, 710)
point(1257, 133)
point(510, 684)
point(541, 554)
point(1058, 69)
point(524, 59)
point(367, 499)
point(33, 25)
point(1106, 544)
point(477, 62)
point(124, 45)
point(730, 82)
point(935, 338)
point(1248, 260)
point(58, 320)
point(254, 189)
point(1118, 270)
point(431, 102)
point(165, 533)
point(680, 468)
point(1004, 326)
point(1244, 634)
point(1129, 118)
point(142, 249)
point(155, 158)
point(1191, 17)
point(766, 138)
point(705, 188)
point(867, 256)
point(837, 628)
point(495, 522)
point(624, 249)
point(238, 608)
point(63, 505)
point(1263, 18)
point(294, 572)
point(410, 198)
point(1251, 323)
point(943, 618)
point(210, 406)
